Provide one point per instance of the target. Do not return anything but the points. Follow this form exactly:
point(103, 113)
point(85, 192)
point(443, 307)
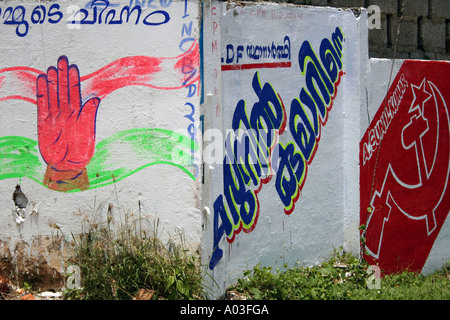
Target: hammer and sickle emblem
point(421, 199)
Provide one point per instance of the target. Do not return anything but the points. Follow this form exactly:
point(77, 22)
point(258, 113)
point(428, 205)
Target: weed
point(116, 264)
point(342, 277)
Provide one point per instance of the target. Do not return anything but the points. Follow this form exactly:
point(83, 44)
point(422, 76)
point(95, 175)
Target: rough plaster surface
point(166, 34)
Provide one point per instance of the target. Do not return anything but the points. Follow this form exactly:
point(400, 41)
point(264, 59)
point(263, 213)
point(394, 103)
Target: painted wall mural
point(96, 92)
point(99, 110)
point(67, 104)
point(405, 168)
point(284, 92)
point(254, 154)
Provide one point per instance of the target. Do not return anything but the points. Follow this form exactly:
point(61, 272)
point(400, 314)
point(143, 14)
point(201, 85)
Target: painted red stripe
point(256, 66)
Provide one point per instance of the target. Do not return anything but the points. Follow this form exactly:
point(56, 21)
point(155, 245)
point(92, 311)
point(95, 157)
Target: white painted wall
point(164, 191)
point(324, 216)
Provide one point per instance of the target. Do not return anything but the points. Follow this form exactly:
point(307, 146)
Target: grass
point(116, 265)
point(341, 278)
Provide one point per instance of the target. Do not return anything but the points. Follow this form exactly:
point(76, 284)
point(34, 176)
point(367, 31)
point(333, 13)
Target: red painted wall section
point(405, 166)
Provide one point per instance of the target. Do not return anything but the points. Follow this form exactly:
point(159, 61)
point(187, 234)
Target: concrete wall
point(405, 165)
point(307, 203)
point(297, 197)
point(108, 136)
point(257, 131)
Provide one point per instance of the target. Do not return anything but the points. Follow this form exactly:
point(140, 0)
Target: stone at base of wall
point(38, 262)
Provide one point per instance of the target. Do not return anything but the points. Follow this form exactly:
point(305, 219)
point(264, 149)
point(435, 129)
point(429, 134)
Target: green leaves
point(177, 287)
point(116, 265)
point(329, 280)
point(342, 277)
point(257, 294)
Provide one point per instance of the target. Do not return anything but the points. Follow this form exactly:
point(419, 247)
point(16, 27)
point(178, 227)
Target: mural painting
point(405, 167)
point(257, 148)
point(114, 91)
point(66, 156)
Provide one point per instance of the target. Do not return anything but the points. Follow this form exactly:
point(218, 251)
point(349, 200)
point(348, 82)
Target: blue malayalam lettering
point(249, 159)
point(189, 71)
point(259, 52)
point(238, 207)
point(16, 16)
point(322, 78)
point(272, 51)
point(94, 12)
point(302, 129)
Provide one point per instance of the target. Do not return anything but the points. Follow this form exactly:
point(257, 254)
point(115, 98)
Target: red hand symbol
point(66, 128)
